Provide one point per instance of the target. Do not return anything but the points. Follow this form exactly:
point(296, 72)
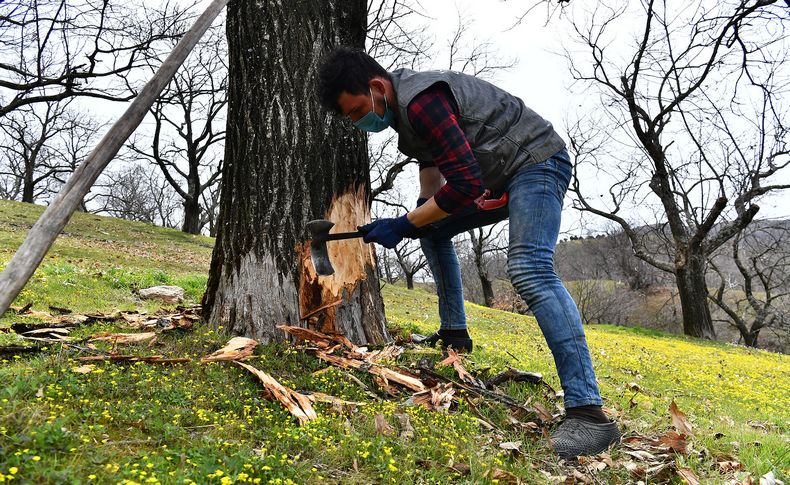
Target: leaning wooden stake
point(55, 217)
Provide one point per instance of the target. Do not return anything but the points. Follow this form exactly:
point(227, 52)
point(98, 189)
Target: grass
point(193, 423)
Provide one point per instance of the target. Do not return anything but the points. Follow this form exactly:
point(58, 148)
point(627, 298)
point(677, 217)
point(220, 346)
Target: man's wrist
point(405, 225)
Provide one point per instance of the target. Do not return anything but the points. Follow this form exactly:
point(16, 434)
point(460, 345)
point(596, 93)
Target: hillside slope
point(210, 423)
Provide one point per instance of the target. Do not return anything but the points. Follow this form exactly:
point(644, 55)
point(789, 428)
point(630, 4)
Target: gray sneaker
point(578, 437)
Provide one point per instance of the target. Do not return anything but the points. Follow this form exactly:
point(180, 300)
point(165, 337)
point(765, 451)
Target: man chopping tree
point(473, 140)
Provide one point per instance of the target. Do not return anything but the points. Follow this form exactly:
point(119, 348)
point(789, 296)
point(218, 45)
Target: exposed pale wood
point(297, 404)
point(237, 348)
point(55, 217)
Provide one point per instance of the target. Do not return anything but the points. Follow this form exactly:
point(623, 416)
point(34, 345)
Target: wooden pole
point(46, 229)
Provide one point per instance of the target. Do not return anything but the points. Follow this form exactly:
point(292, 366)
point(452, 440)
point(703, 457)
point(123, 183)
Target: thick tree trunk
point(485, 282)
point(693, 292)
point(488, 290)
point(287, 162)
point(28, 187)
point(409, 281)
point(191, 216)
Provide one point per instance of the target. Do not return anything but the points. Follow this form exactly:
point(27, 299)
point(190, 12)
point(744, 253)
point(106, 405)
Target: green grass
point(183, 423)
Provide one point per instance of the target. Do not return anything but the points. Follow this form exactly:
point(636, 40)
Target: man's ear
point(377, 85)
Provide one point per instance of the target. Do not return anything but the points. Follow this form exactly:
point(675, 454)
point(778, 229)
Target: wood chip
point(125, 338)
point(84, 369)
point(238, 348)
point(455, 360)
point(297, 404)
point(389, 374)
point(134, 358)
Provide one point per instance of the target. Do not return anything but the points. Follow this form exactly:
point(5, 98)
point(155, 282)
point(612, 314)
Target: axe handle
point(344, 235)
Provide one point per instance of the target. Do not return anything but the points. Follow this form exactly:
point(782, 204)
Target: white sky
point(540, 78)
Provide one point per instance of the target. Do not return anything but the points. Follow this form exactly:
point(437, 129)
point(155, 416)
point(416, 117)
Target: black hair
point(346, 69)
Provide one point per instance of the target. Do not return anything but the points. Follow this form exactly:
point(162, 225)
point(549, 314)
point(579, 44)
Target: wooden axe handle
point(344, 235)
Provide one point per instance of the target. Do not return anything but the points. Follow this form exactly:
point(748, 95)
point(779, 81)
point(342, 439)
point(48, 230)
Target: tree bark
point(488, 290)
point(409, 281)
point(287, 162)
point(693, 291)
point(191, 216)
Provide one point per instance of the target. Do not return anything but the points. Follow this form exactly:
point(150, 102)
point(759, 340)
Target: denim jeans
point(536, 194)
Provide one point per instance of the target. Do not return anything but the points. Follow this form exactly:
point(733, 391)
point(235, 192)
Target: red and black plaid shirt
point(433, 115)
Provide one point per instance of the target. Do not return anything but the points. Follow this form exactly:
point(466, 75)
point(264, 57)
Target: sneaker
point(461, 344)
point(579, 437)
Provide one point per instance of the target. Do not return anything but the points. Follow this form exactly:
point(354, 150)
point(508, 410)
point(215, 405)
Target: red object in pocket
point(486, 204)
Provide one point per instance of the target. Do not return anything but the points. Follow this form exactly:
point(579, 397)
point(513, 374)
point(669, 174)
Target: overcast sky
point(541, 77)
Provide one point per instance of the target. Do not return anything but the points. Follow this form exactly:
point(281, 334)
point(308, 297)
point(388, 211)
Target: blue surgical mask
point(374, 123)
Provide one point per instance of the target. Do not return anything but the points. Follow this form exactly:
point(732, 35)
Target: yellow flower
point(36, 458)
point(13, 470)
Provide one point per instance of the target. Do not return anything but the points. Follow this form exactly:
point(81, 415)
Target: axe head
point(319, 231)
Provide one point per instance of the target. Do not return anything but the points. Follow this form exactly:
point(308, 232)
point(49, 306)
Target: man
point(473, 139)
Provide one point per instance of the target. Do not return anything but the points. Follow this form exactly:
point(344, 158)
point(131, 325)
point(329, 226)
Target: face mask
point(374, 123)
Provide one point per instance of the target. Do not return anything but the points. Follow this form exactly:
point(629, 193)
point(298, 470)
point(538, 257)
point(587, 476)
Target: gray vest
point(504, 134)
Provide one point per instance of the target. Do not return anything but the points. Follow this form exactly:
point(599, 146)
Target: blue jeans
point(536, 193)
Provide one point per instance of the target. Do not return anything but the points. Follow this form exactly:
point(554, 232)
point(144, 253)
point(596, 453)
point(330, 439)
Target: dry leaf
point(674, 441)
point(297, 404)
point(382, 426)
point(237, 348)
point(688, 475)
point(679, 419)
point(543, 413)
point(503, 476)
point(84, 369)
point(125, 338)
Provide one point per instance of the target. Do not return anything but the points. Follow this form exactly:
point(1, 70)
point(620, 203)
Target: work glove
point(388, 232)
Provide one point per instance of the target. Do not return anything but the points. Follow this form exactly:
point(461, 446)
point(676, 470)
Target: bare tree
point(29, 155)
point(137, 194)
point(395, 36)
point(484, 242)
point(189, 126)
point(698, 104)
point(52, 50)
point(411, 261)
point(758, 298)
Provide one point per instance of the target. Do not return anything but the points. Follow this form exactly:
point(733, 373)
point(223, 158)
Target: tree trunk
point(693, 292)
point(488, 290)
point(28, 186)
point(191, 215)
point(287, 162)
point(409, 281)
point(485, 282)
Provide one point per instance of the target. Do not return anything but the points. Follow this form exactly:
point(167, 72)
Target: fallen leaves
point(679, 419)
point(687, 474)
point(238, 348)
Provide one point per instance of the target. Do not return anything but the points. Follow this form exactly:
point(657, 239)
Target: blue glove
point(388, 232)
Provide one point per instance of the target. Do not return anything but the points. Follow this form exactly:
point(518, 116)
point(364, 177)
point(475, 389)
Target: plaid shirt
point(433, 115)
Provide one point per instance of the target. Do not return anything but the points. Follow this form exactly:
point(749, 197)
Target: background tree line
point(687, 135)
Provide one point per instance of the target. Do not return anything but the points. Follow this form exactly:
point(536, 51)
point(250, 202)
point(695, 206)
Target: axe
point(487, 211)
point(319, 232)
